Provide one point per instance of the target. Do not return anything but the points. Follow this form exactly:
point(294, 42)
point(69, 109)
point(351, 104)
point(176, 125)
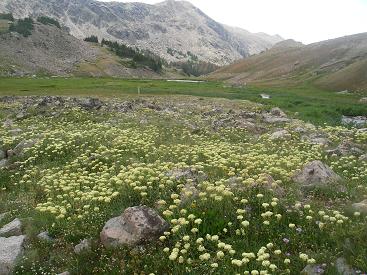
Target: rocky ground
point(177, 185)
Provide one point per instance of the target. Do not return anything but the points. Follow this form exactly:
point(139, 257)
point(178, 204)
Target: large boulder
point(10, 250)
point(316, 173)
point(13, 228)
point(136, 225)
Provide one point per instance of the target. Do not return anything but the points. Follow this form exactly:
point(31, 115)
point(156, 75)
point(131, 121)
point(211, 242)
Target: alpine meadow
point(150, 139)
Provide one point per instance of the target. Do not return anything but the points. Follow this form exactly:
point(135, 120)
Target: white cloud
point(303, 20)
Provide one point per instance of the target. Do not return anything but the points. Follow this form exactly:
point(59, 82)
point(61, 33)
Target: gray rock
point(13, 228)
point(281, 134)
point(273, 119)
point(186, 173)
point(4, 163)
point(343, 268)
point(360, 207)
point(277, 112)
point(363, 157)
point(346, 148)
point(64, 273)
point(10, 250)
point(136, 225)
point(83, 246)
point(319, 141)
point(22, 146)
point(44, 236)
point(315, 173)
point(358, 121)
point(15, 132)
point(312, 270)
point(363, 100)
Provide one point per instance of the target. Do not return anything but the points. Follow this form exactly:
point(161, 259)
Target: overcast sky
point(303, 20)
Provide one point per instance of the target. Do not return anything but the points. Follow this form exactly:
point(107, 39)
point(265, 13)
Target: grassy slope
point(315, 105)
point(4, 25)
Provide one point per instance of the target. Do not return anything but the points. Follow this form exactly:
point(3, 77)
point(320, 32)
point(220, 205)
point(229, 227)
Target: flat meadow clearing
point(229, 183)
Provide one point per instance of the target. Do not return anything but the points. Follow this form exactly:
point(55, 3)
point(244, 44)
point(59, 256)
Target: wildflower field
point(212, 168)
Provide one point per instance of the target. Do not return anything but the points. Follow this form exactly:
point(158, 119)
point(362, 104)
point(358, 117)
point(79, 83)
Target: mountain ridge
point(176, 25)
point(337, 64)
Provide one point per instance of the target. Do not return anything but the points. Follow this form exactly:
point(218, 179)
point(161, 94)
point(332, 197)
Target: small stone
point(13, 228)
point(363, 100)
point(282, 134)
point(64, 273)
point(360, 207)
point(83, 246)
point(44, 236)
point(277, 112)
point(4, 163)
point(343, 268)
point(312, 270)
point(11, 250)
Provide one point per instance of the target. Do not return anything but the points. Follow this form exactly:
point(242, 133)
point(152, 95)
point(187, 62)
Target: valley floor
point(230, 186)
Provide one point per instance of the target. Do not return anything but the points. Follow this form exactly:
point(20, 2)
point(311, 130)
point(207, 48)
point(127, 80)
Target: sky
point(307, 21)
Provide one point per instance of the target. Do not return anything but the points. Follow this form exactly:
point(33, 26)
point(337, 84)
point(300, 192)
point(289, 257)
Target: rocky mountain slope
point(50, 50)
point(337, 64)
point(175, 30)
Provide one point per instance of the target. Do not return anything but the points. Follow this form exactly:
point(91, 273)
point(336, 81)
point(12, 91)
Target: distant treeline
point(196, 68)
point(145, 58)
point(26, 26)
point(48, 21)
point(22, 26)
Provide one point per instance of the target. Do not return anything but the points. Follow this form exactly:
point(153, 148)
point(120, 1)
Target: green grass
point(80, 151)
point(311, 104)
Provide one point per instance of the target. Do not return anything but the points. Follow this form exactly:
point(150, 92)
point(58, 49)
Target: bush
point(92, 39)
point(48, 21)
point(22, 26)
point(7, 16)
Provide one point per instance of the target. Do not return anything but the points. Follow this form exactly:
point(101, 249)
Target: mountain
point(175, 30)
point(52, 51)
point(336, 64)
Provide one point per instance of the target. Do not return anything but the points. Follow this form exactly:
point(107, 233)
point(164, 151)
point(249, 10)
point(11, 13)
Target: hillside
point(175, 30)
point(51, 51)
point(336, 64)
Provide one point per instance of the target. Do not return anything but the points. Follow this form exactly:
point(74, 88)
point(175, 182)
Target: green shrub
point(22, 26)
point(48, 21)
point(7, 16)
point(92, 39)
